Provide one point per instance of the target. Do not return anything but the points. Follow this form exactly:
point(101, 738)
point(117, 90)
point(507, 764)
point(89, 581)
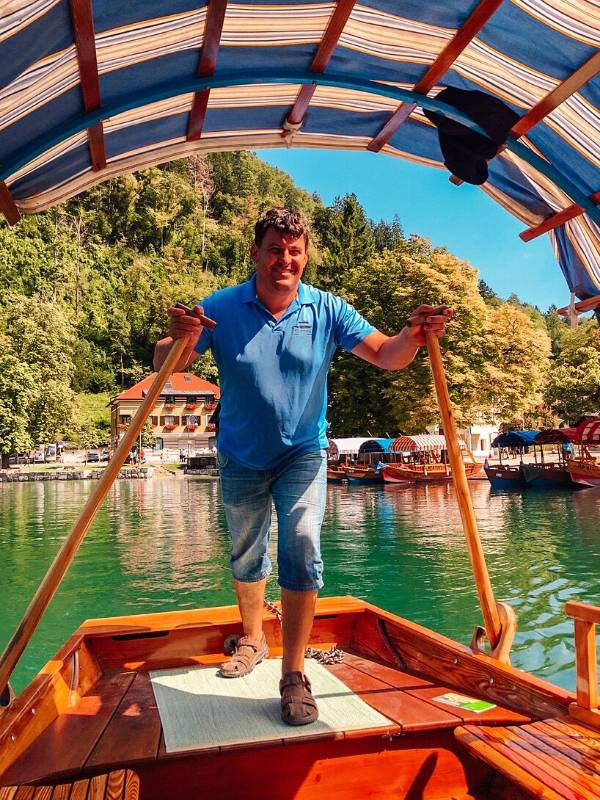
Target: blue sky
point(463, 219)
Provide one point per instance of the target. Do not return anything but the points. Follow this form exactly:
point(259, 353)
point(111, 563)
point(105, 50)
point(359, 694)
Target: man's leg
point(250, 598)
point(247, 503)
point(298, 611)
point(299, 495)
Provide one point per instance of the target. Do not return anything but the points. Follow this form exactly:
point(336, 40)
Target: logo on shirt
point(302, 327)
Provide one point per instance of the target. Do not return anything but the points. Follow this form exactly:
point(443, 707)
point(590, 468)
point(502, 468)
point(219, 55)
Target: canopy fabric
point(515, 439)
point(375, 446)
point(345, 447)
point(588, 431)
point(90, 89)
point(422, 442)
point(555, 436)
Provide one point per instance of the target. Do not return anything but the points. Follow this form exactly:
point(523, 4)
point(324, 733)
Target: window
point(170, 400)
point(154, 421)
point(171, 419)
point(125, 419)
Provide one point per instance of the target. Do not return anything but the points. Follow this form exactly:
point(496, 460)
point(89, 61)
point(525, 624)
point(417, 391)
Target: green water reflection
point(162, 545)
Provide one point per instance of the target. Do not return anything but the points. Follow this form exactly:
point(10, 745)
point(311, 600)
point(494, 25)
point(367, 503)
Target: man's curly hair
point(283, 220)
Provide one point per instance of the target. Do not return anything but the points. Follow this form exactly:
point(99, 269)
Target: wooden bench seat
point(554, 759)
point(118, 785)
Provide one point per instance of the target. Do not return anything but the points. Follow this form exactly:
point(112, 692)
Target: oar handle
point(489, 609)
point(66, 554)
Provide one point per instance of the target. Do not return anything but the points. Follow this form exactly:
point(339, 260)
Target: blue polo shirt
point(273, 373)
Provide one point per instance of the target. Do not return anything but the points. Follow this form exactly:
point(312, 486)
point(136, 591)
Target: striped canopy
point(422, 442)
point(90, 89)
point(588, 431)
point(345, 447)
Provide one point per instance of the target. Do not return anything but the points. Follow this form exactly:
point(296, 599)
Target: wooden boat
point(585, 469)
point(363, 473)
point(505, 476)
point(336, 474)
point(550, 474)
point(510, 476)
point(92, 710)
point(423, 458)
point(584, 472)
point(424, 473)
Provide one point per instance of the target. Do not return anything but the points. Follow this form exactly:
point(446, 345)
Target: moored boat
point(550, 474)
point(585, 469)
point(584, 473)
point(363, 473)
point(510, 476)
point(505, 476)
point(423, 458)
point(335, 473)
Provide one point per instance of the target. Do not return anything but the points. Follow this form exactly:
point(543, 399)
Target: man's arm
point(180, 324)
point(396, 352)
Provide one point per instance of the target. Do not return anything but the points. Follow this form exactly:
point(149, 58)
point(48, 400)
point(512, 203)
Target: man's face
point(280, 260)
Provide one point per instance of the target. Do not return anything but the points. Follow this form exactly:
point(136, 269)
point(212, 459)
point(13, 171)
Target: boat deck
point(117, 723)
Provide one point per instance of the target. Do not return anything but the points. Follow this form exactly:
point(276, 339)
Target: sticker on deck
point(462, 701)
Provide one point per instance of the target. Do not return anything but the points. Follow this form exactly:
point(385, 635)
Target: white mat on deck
point(200, 709)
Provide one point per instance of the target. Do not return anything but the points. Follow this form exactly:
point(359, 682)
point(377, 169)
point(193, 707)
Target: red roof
point(179, 383)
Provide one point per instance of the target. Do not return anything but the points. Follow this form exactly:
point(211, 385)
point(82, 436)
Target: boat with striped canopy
point(585, 469)
point(91, 89)
point(424, 459)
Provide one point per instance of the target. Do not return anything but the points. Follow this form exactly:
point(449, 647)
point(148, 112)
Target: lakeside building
point(180, 420)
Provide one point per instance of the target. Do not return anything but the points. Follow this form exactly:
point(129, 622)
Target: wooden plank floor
point(117, 723)
point(558, 759)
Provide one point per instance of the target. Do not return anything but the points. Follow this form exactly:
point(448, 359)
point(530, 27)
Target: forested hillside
point(84, 290)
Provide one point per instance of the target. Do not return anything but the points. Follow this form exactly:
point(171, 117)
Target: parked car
point(92, 458)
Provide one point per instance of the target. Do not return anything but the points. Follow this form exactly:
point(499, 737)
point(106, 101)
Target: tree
point(346, 238)
point(516, 363)
point(387, 235)
point(490, 297)
point(574, 381)
point(17, 388)
point(39, 334)
point(386, 289)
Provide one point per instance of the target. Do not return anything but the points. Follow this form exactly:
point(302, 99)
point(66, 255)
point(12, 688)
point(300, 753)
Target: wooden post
point(585, 617)
point(66, 554)
point(489, 609)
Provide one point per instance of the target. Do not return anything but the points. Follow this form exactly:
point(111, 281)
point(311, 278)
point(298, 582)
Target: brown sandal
point(298, 706)
point(247, 653)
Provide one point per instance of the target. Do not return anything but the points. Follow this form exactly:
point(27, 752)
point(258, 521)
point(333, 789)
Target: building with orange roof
point(180, 420)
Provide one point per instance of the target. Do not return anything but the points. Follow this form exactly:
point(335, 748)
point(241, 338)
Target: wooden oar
point(488, 604)
point(66, 554)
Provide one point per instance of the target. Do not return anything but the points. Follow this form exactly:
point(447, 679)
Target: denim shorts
point(298, 490)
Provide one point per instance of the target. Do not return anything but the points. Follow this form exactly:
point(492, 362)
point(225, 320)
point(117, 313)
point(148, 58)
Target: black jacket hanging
point(466, 152)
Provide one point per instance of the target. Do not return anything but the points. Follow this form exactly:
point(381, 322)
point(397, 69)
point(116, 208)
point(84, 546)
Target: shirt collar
point(306, 293)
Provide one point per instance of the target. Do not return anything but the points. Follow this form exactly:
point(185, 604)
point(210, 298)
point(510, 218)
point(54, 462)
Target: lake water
point(162, 544)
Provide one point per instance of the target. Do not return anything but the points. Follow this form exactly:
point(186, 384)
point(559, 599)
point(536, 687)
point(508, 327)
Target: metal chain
point(332, 656)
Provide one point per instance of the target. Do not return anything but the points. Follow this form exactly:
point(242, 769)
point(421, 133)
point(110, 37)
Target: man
point(273, 344)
